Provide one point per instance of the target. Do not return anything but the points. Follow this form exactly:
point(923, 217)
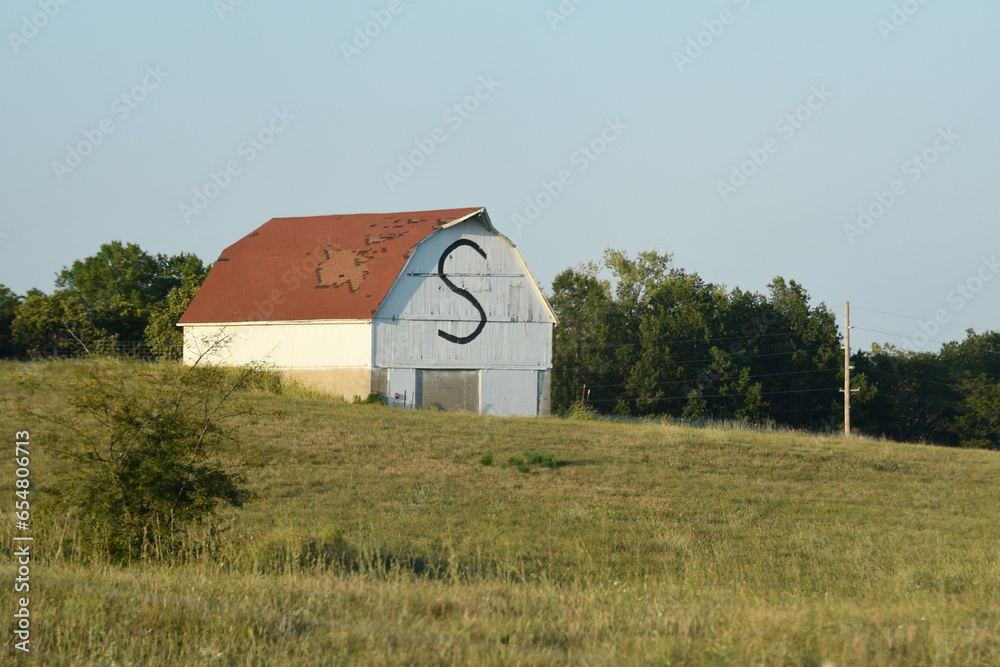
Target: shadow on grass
point(335, 554)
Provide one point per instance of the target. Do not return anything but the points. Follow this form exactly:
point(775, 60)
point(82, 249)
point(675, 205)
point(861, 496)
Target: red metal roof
point(332, 267)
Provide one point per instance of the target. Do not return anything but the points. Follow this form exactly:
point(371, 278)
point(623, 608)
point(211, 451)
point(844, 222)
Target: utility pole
point(847, 369)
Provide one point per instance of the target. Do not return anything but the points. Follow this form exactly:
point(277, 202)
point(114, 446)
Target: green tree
point(9, 303)
point(150, 451)
point(799, 353)
point(914, 398)
point(581, 354)
point(50, 325)
point(668, 342)
point(120, 284)
point(978, 423)
point(975, 366)
point(162, 334)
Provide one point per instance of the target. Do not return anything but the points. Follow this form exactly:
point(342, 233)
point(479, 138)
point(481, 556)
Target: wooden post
point(847, 369)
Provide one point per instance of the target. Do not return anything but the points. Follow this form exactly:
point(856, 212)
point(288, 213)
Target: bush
point(581, 412)
point(373, 398)
point(150, 452)
point(545, 460)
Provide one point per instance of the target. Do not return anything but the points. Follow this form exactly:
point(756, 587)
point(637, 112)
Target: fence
point(70, 348)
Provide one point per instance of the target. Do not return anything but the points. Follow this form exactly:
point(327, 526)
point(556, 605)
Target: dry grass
point(379, 538)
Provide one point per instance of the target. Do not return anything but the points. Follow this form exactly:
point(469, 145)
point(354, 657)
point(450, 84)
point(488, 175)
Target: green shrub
point(150, 452)
point(545, 460)
point(373, 398)
point(581, 412)
point(524, 462)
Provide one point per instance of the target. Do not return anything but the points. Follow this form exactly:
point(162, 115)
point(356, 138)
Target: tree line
point(120, 294)
point(637, 336)
point(643, 337)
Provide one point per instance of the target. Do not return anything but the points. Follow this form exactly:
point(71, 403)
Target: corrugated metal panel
point(510, 393)
point(545, 393)
point(402, 391)
point(421, 318)
point(448, 391)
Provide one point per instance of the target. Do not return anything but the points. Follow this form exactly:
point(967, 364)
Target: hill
point(379, 536)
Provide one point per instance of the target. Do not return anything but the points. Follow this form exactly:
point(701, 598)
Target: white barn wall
point(511, 393)
point(333, 356)
point(285, 345)
point(512, 354)
point(518, 333)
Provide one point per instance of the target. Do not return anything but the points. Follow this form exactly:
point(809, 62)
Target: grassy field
point(379, 537)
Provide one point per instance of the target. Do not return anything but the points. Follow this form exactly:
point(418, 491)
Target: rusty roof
point(332, 267)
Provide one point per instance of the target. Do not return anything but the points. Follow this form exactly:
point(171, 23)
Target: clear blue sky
point(666, 123)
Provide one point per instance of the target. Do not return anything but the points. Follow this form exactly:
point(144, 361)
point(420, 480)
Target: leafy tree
point(978, 424)
point(9, 303)
point(801, 357)
point(581, 353)
point(671, 343)
point(47, 325)
point(150, 452)
point(162, 334)
point(975, 365)
point(977, 354)
point(914, 396)
point(120, 284)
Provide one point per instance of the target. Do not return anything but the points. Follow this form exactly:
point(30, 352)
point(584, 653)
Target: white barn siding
point(333, 344)
point(511, 393)
point(518, 332)
point(332, 356)
point(505, 369)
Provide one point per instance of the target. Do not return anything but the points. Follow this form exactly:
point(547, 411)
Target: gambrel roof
point(334, 267)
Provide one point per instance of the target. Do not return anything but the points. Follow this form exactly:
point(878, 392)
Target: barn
point(428, 309)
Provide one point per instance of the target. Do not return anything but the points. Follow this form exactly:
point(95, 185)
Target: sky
point(850, 146)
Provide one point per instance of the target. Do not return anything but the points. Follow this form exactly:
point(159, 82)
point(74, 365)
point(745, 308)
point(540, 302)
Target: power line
point(917, 319)
point(706, 361)
point(695, 380)
point(907, 377)
point(910, 336)
point(921, 399)
point(692, 340)
point(685, 396)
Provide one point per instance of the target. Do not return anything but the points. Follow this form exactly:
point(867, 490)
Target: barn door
point(448, 390)
point(509, 393)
